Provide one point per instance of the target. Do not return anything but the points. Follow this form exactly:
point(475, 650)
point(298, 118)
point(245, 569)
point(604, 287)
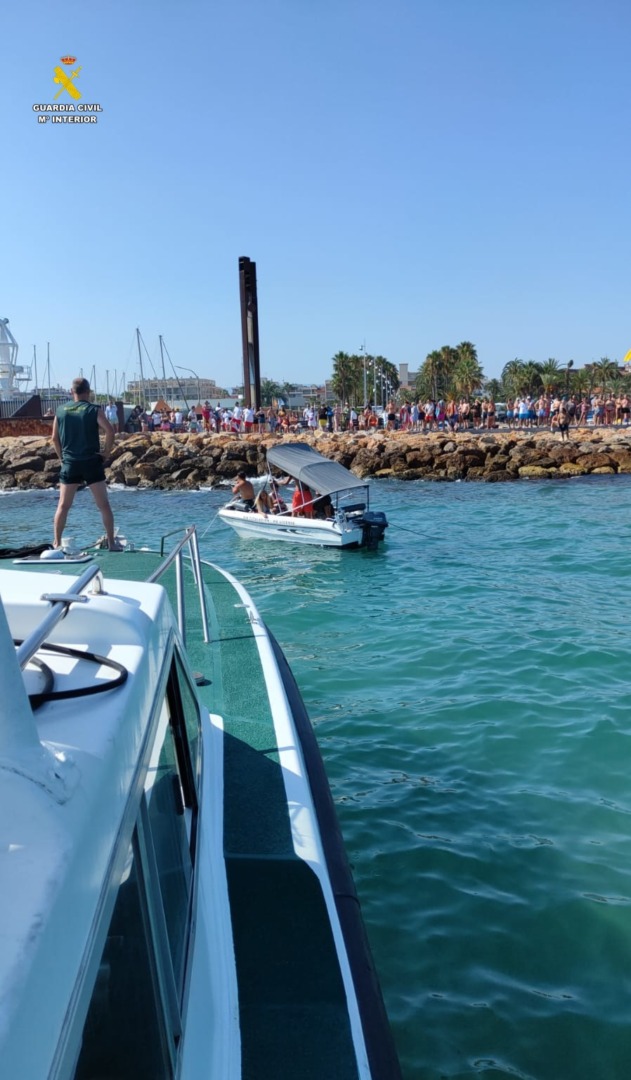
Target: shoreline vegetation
point(189, 461)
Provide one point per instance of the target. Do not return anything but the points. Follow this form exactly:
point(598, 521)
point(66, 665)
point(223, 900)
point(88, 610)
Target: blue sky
point(409, 173)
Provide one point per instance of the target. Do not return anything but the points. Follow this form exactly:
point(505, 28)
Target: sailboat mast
point(142, 377)
point(162, 358)
point(35, 366)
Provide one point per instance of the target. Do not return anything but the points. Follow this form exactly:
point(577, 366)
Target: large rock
point(535, 472)
point(496, 476)
point(230, 466)
point(570, 468)
point(29, 462)
point(125, 461)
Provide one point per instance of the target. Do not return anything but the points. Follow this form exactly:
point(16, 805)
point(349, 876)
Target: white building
point(407, 378)
point(9, 369)
point(194, 391)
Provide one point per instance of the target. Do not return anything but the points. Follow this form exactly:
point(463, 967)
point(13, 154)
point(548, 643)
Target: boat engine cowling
point(373, 525)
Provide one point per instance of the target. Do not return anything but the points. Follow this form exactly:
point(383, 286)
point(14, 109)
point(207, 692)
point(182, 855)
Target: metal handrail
point(175, 555)
point(60, 603)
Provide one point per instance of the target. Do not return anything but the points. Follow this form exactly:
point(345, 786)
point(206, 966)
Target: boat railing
point(60, 604)
point(189, 539)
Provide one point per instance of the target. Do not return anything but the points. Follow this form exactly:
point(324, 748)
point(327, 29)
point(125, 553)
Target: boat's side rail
point(60, 604)
point(175, 556)
point(75, 594)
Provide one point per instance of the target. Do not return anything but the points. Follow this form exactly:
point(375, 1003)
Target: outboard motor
point(373, 525)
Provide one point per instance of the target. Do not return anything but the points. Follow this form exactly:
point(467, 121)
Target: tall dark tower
point(250, 332)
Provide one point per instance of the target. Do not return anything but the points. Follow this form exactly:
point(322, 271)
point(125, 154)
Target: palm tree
point(494, 388)
point(423, 386)
point(392, 373)
point(604, 372)
point(433, 371)
point(342, 378)
point(580, 381)
point(467, 376)
point(467, 351)
point(551, 374)
point(357, 376)
point(532, 377)
point(512, 374)
point(450, 358)
point(269, 391)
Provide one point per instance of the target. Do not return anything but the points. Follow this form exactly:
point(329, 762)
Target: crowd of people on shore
point(527, 412)
point(210, 419)
point(559, 413)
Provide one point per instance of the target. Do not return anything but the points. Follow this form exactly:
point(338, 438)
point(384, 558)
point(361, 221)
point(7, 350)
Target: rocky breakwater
point(495, 456)
point(191, 461)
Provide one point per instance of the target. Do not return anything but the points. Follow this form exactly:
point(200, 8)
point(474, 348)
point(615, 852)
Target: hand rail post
point(197, 567)
point(179, 585)
point(60, 603)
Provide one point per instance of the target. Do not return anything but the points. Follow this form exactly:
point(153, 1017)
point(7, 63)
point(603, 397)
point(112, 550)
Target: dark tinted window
point(190, 707)
point(124, 1035)
point(170, 835)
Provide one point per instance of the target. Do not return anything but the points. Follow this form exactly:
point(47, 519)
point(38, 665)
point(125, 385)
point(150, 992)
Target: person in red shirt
point(302, 502)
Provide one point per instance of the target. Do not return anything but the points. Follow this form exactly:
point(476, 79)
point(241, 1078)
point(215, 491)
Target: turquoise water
point(469, 687)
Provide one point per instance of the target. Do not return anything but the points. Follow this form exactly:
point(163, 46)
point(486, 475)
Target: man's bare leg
point(67, 493)
point(100, 496)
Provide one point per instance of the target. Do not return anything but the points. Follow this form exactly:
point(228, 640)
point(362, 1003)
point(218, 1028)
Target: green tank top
point(78, 430)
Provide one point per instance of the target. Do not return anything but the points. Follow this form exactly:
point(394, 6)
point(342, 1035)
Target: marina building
point(195, 390)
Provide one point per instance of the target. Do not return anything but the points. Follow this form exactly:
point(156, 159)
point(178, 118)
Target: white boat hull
point(335, 532)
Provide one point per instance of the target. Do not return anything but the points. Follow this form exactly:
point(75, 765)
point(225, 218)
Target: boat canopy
point(312, 469)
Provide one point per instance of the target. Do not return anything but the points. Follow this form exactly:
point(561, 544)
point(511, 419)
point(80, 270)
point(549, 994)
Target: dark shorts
point(88, 472)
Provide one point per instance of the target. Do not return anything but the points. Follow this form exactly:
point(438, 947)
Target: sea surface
point(469, 685)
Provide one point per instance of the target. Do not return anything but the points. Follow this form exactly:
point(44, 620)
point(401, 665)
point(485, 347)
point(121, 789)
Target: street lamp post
point(362, 349)
point(195, 376)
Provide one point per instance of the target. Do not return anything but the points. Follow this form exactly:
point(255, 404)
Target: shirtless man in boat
point(243, 490)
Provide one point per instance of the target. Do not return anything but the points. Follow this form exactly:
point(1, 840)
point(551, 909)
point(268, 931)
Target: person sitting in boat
point(279, 506)
point(323, 507)
point(243, 490)
point(302, 502)
point(264, 503)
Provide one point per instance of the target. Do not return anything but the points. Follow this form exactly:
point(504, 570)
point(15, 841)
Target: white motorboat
point(174, 896)
point(350, 522)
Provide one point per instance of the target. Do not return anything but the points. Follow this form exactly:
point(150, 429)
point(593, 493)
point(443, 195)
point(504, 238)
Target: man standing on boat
point(76, 440)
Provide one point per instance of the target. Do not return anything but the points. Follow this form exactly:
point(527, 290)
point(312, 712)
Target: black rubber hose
point(83, 691)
